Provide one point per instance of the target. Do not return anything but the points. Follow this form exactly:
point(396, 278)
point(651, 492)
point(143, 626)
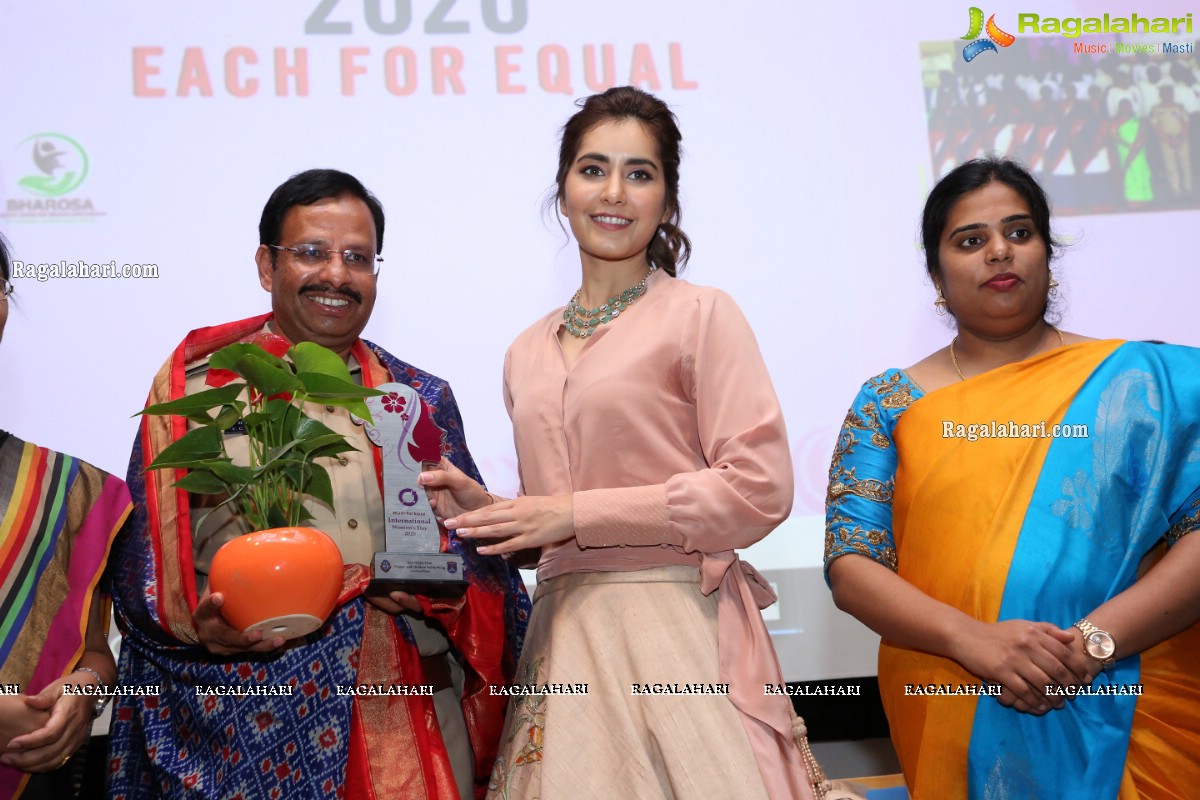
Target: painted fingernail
point(451, 523)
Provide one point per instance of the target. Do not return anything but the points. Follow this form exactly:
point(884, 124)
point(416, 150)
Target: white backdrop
point(807, 163)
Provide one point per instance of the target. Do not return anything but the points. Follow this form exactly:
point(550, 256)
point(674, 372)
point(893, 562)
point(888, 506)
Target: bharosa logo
point(995, 35)
point(61, 161)
point(54, 166)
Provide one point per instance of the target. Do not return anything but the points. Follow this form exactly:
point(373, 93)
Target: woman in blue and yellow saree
point(1016, 508)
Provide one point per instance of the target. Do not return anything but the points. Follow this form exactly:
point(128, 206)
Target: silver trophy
point(408, 438)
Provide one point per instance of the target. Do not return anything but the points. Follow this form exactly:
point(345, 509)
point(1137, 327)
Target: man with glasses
point(320, 237)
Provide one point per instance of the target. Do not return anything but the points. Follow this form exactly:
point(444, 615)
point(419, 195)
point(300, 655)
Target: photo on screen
point(1108, 123)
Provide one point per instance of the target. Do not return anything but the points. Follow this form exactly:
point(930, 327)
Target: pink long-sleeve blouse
point(666, 430)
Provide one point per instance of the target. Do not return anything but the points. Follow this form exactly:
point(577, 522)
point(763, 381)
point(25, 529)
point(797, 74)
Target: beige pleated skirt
point(610, 631)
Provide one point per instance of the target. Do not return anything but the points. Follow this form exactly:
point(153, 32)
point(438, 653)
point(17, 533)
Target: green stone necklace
point(582, 322)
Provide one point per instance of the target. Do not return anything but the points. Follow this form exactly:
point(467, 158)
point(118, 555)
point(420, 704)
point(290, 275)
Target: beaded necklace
point(582, 322)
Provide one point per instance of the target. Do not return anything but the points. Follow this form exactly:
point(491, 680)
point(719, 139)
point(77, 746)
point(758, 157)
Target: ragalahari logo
point(62, 162)
point(995, 35)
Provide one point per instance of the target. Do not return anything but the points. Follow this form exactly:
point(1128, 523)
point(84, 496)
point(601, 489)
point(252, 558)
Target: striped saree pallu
point(59, 518)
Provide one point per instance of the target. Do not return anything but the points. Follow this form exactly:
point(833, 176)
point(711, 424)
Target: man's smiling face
point(327, 303)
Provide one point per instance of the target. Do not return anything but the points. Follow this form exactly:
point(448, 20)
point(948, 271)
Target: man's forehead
point(341, 215)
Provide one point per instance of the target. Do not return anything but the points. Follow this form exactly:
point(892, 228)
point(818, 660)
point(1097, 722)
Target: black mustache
point(327, 289)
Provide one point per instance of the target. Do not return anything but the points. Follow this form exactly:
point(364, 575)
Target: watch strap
point(1086, 627)
point(102, 701)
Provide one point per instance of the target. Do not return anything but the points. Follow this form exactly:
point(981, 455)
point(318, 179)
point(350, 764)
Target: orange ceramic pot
point(283, 581)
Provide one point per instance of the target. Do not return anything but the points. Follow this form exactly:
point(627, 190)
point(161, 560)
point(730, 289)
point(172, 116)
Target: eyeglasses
point(6, 288)
point(309, 255)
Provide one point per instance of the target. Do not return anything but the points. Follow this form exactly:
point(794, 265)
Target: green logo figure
point(61, 159)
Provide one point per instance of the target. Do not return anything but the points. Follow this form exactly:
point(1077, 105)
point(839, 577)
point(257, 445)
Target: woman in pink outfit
point(651, 447)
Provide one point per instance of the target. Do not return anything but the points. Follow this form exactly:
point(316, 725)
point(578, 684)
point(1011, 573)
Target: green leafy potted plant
point(259, 388)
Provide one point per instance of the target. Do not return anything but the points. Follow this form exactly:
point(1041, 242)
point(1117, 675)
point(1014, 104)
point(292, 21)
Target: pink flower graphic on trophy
point(404, 427)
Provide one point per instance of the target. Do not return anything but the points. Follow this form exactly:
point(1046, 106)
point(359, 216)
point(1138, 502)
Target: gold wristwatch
point(1098, 644)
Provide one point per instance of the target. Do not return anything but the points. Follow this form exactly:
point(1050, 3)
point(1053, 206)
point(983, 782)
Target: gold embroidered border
point(1187, 525)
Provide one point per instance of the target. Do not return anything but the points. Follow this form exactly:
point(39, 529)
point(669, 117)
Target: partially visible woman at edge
point(651, 445)
point(58, 517)
point(1026, 562)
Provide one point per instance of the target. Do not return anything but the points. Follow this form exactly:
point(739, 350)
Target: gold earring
point(1053, 290)
point(940, 304)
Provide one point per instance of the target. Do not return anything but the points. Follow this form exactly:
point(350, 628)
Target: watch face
point(1099, 645)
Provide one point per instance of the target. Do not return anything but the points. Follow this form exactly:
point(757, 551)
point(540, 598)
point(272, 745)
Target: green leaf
point(308, 429)
point(285, 418)
point(291, 470)
point(229, 415)
point(229, 472)
point(276, 423)
point(312, 357)
point(319, 485)
point(337, 392)
point(317, 441)
point(332, 449)
point(193, 448)
point(200, 482)
point(311, 479)
point(199, 402)
point(229, 356)
point(278, 409)
point(312, 435)
point(270, 377)
point(275, 517)
point(277, 453)
point(256, 419)
point(327, 389)
point(322, 442)
point(356, 407)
